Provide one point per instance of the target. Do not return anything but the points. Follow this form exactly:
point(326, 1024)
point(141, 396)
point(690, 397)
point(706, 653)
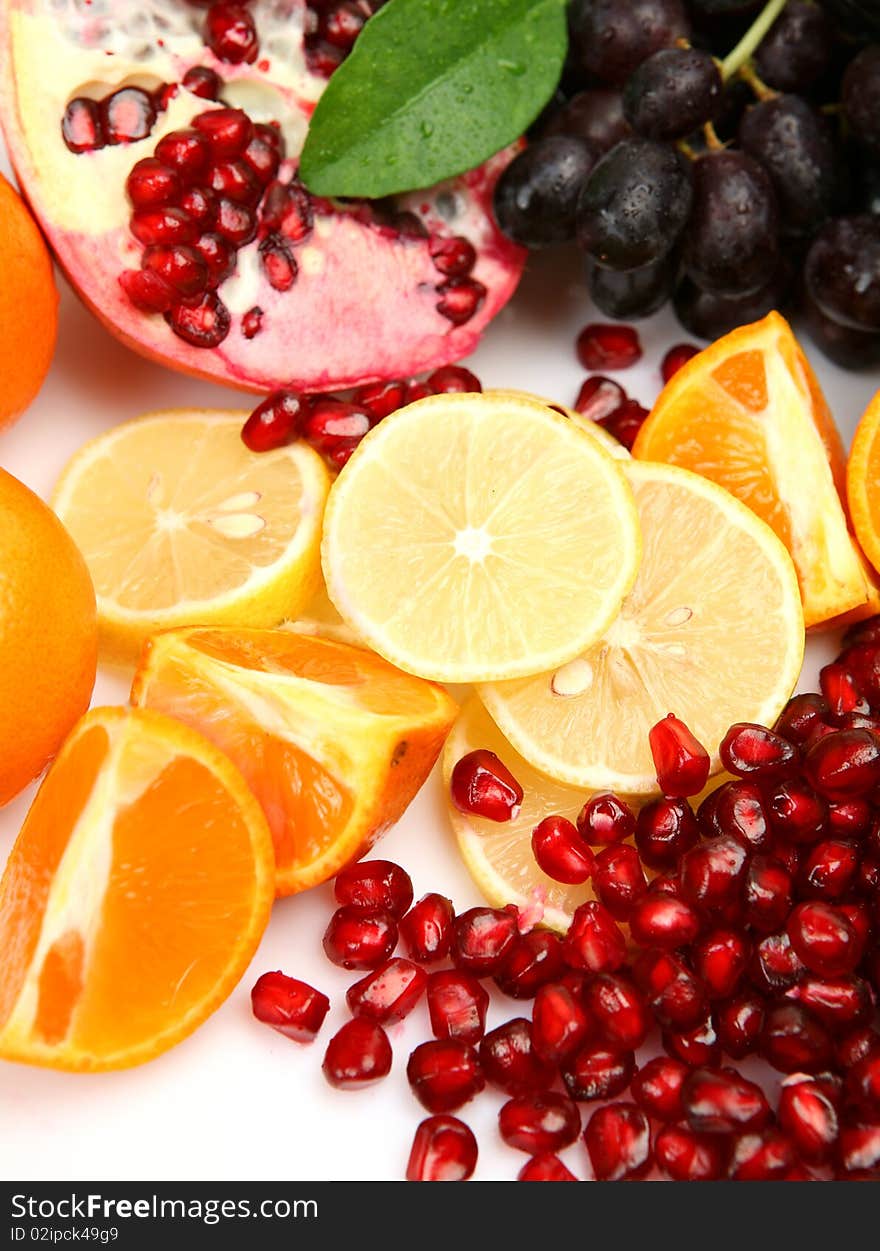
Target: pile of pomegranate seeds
point(755, 936)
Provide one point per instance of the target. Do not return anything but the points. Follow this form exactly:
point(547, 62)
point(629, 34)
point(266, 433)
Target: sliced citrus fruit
point(748, 413)
point(863, 482)
point(712, 631)
point(179, 523)
point(333, 740)
point(592, 428)
point(471, 537)
point(134, 897)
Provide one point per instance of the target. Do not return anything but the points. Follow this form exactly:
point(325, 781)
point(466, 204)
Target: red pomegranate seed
point(444, 1149)
point(712, 873)
point(599, 397)
point(147, 291)
point(796, 812)
point(389, 993)
point(748, 749)
point(560, 1024)
point(417, 391)
point(859, 918)
point(200, 205)
point(380, 398)
point(721, 1101)
point(840, 690)
point(656, 1088)
point(775, 964)
point(665, 922)
point(862, 660)
point(863, 1085)
point(858, 1149)
point(665, 884)
point(187, 152)
point(444, 1074)
point(539, 1123)
point(618, 880)
point(618, 1011)
point(509, 1060)
point(601, 346)
point(675, 358)
point(800, 717)
point(676, 998)
point(840, 1003)
point(482, 938)
point(844, 764)
point(606, 819)
point(694, 1047)
point(595, 1073)
point(720, 959)
point(181, 267)
point(358, 1054)
point(322, 57)
point(681, 763)
point(809, 1118)
point(341, 24)
point(594, 941)
point(665, 829)
point(355, 939)
point(849, 818)
point(233, 180)
point(426, 930)
point(228, 131)
point(789, 856)
point(163, 225)
point(768, 894)
point(823, 938)
point(288, 208)
point(457, 1006)
point(534, 959)
point(625, 423)
point(855, 1045)
point(685, 1156)
point(794, 1041)
point(483, 785)
point(738, 1024)
point(202, 325)
point(560, 851)
point(81, 125)
point(231, 33)
point(262, 159)
point(768, 1156)
point(371, 884)
point(618, 1141)
point(736, 809)
point(203, 82)
point(293, 1008)
point(460, 299)
point(453, 380)
point(453, 255)
point(127, 115)
point(218, 256)
point(150, 184)
point(333, 423)
point(545, 1168)
point(830, 869)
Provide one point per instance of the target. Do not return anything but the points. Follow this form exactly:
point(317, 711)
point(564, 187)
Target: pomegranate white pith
point(364, 302)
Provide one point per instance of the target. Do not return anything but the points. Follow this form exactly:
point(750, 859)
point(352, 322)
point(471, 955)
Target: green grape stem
point(752, 39)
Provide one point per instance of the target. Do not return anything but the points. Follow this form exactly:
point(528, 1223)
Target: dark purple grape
point(673, 93)
point(867, 189)
point(612, 37)
point(725, 8)
point(709, 316)
point(797, 51)
point(595, 115)
point(537, 195)
point(851, 349)
point(735, 99)
point(842, 271)
point(860, 96)
point(732, 240)
point(794, 145)
point(635, 293)
point(859, 18)
point(635, 205)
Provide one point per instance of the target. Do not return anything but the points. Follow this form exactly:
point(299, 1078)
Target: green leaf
point(432, 88)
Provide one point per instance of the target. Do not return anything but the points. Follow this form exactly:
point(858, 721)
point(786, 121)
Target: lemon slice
point(499, 856)
point(472, 538)
point(180, 524)
point(590, 427)
point(713, 631)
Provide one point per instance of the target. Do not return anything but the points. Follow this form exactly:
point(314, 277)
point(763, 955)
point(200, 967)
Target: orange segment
point(333, 740)
point(863, 482)
point(748, 413)
point(134, 897)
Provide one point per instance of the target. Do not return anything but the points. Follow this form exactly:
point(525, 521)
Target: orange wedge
point(334, 741)
point(134, 897)
point(748, 413)
point(863, 482)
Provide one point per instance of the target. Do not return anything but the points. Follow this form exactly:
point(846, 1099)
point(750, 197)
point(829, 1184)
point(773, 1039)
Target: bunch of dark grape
point(721, 154)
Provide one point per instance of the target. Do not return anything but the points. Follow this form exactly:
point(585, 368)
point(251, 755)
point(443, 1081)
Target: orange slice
point(748, 413)
point(134, 897)
point(863, 482)
point(334, 741)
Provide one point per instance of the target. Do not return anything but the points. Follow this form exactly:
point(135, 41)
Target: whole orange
point(48, 635)
point(28, 306)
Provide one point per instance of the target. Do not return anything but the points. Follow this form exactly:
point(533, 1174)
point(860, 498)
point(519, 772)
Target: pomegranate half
point(208, 254)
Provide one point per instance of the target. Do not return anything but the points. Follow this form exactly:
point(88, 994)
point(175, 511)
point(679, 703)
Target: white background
point(238, 1101)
